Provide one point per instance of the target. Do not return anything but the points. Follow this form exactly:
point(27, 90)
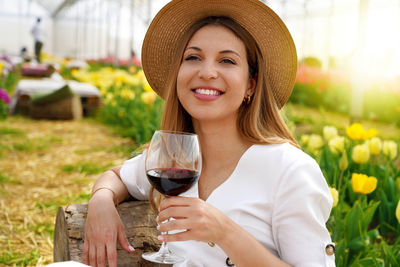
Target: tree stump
point(140, 229)
point(69, 108)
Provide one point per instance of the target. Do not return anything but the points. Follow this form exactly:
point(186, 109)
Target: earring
point(247, 99)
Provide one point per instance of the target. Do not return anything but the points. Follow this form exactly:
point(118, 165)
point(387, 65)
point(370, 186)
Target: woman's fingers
point(178, 201)
point(111, 254)
point(202, 221)
point(85, 256)
point(174, 212)
point(92, 256)
point(123, 241)
point(182, 236)
point(101, 256)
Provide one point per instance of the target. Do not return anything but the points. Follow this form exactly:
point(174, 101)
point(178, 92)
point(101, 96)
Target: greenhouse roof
point(58, 7)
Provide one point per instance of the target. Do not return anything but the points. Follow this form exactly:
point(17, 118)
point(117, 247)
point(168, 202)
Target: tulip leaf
point(390, 256)
point(369, 213)
point(358, 219)
point(368, 262)
point(357, 244)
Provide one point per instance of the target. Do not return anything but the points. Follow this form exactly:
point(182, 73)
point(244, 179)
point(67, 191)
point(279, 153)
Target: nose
point(208, 71)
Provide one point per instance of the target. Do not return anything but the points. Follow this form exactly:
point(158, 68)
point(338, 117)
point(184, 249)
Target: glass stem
point(164, 246)
point(164, 249)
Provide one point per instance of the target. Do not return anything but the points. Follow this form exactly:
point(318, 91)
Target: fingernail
point(131, 248)
point(160, 237)
point(157, 219)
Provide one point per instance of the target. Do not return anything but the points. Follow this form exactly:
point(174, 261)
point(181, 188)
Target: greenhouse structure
point(78, 101)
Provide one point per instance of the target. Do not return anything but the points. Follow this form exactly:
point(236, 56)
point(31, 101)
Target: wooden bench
point(140, 228)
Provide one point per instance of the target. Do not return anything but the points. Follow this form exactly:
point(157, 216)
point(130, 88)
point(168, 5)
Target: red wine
point(172, 181)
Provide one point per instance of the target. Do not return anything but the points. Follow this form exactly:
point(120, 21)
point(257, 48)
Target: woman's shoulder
point(284, 152)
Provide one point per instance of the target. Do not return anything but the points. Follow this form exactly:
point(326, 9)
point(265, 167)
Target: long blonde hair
point(258, 122)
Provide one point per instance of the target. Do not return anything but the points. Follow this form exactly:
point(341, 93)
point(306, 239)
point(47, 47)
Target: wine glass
point(173, 165)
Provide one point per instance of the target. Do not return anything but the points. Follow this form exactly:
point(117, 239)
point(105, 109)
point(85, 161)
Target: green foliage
point(45, 228)
point(132, 117)
point(4, 178)
point(363, 226)
point(382, 105)
point(3, 110)
point(327, 89)
point(131, 107)
point(335, 97)
point(86, 168)
point(10, 131)
point(18, 259)
point(312, 62)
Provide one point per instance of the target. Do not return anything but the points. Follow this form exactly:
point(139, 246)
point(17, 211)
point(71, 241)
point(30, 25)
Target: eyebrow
point(228, 51)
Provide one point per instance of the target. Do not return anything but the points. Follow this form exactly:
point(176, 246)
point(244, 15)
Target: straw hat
point(268, 30)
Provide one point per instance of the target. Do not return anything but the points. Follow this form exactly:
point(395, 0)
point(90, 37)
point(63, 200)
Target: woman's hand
point(202, 221)
point(103, 228)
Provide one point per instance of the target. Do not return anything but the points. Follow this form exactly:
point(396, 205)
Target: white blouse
point(277, 193)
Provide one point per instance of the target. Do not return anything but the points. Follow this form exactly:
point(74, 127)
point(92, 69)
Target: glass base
point(164, 258)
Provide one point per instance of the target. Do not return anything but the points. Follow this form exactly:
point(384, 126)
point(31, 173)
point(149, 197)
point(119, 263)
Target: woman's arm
point(103, 225)
point(244, 250)
point(208, 224)
point(110, 184)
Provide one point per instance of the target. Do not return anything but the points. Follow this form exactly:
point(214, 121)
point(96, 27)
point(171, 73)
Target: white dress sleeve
point(133, 175)
point(302, 207)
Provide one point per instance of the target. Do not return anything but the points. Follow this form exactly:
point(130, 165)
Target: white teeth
point(207, 92)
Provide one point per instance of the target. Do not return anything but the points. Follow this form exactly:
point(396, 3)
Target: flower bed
point(364, 175)
point(331, 90)
point(131, 107)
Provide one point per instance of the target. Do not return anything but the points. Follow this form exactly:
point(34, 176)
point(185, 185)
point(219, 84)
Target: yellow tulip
point(330, 132)
point(121, 113)
point(127, 94)
point(343, 162)
point(336, 145)
point(147, 87)
point(397, 183)
point(140, 76)
point(363, 184)
point(132, 69)
point(304, 139)
point(335, 196)
point(148, 97)
point(370, 133)
point(314, 142)
point(355, 131)
point(374, 145)
point(389, 148)
point(398, 211)
point(131, 80)
point(109, 97)
point(360, 154)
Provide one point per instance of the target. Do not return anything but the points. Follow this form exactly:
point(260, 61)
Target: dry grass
point(43, 165)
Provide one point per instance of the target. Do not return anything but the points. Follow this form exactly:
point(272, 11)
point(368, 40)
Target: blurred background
point(81, 104)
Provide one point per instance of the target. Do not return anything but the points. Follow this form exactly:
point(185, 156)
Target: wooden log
point(140, 229)
point(69, 108)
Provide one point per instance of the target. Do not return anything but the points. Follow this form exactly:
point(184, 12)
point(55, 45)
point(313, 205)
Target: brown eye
point(191, 58)
point(229, 61)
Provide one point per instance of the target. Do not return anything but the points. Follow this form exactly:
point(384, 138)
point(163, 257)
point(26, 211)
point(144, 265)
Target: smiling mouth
point(207, 92)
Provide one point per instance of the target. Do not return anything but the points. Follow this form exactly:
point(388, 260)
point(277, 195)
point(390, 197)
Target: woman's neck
point(220, 142)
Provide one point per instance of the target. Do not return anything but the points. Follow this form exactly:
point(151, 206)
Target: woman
point(224, 68)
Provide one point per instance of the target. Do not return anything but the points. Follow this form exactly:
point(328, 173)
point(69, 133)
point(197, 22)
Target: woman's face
point(213, 78)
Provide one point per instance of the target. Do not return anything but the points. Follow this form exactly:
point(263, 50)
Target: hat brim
point(268, 30)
